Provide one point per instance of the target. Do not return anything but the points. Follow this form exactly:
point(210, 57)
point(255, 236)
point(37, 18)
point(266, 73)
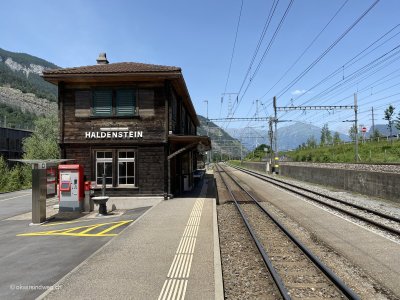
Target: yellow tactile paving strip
point(177, 279)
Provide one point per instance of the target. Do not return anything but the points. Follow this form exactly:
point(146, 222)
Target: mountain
point(289, 137)
point(221, 141)
point(24, 94)
point(22, 71)
point(383, 130)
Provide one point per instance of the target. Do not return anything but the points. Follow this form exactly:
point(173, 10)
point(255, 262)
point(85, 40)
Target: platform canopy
point(189, 142)
point(42, 163)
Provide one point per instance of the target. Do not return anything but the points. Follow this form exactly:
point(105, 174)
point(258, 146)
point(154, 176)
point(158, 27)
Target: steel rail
point(277, 279)
point(331, 276)
point(282, 184)
point(372, 211)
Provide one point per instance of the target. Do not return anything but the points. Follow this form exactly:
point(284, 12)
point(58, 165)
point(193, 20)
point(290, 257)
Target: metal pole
point(39, 189)
point(373, 121)
point(356, 126)
point(208, 130)
point(276, 160)
point(103, 187)
point(241, 151)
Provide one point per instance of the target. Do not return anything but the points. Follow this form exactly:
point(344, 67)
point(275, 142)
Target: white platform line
point(176, 282)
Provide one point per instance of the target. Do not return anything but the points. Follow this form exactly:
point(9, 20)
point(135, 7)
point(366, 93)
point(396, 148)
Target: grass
point(370, 152)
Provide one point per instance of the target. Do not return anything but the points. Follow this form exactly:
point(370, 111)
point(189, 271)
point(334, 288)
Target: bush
point(17, 178)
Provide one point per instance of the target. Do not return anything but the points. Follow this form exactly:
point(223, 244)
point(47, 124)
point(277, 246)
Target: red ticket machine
point(71, 187)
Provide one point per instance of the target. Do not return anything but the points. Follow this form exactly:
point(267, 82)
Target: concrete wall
point(256, 166)
point(385, 185)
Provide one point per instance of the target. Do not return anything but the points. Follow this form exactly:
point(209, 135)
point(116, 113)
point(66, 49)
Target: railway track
point(370, 216)
point(296, 272)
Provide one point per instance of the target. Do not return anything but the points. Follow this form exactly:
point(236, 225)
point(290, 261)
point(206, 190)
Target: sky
point(199, 37)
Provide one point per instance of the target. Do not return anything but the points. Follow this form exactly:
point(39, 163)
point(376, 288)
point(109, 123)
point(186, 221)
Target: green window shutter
point(126, 103)
point(102, 103)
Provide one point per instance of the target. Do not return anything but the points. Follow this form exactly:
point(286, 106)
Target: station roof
point(124, 71)
point(122, 67)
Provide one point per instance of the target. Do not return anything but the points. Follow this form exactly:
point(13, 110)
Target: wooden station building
point(133, 122)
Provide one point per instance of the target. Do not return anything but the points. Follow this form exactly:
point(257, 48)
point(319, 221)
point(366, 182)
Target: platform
point(171, 252)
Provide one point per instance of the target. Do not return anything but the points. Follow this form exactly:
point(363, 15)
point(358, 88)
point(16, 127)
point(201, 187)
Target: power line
point(308, 47)
point(353, 60)
point(264, 31)
point(389, 59)
point(302, 74)
point(234, 46)
point(264, 54)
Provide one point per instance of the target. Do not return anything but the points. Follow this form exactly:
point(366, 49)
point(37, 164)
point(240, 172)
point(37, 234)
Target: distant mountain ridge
point(221, 141)
point(22, 71)
point(289, 137)
point(24, 94)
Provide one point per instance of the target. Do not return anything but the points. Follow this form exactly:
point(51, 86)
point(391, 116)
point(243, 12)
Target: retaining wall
point(256, 166)
point(378, 184)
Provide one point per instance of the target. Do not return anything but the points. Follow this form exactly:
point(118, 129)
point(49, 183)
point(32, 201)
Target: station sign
point(113, 134)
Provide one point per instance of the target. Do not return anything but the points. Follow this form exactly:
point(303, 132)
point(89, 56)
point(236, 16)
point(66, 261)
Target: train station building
point(133, 122)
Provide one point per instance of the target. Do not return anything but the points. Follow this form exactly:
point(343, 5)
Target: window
point(114, 103)
point(104, 166)
point(122, 161)
point(126, 167)
point(102, 103)
point(125, 104)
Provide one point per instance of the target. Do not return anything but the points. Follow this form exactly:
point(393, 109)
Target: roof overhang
point(189, 142)
point(190, 139)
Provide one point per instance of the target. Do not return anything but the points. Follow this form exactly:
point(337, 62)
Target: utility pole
point(230, 105)
point(271, 136)
point(373, 120)
point(356, 126)
point(257, 116)
point(276, 156)
point(208, 152)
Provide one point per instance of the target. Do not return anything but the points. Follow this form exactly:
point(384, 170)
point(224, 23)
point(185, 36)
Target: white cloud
point(298, 92)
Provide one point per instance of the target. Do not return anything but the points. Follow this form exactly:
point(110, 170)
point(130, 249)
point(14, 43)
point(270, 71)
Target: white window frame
point(125, 159)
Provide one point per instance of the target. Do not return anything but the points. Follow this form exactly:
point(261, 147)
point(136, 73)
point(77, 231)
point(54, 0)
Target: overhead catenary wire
point(319, 58)
point(264, 54)
point(259, 43)
point(352, 61)
point(307, 48)
point(233, 52)
point(389, 57)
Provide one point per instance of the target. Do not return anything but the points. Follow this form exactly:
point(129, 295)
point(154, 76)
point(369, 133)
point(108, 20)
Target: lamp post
point(208, 152)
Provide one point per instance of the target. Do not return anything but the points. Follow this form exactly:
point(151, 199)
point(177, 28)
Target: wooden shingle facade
point(127, 121)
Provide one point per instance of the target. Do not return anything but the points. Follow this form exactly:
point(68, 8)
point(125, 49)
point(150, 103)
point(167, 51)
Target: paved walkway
point(166, 254)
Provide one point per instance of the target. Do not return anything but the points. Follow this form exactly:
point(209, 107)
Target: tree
point(311, 142)
point(326, 135)
point(398, 121)
point(336, 138)
point(375, 135)
point(389, 117)
point(42, 144)
point(353, 132)
point(258, 153)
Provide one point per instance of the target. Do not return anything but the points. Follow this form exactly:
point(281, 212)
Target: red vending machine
point(71, 187)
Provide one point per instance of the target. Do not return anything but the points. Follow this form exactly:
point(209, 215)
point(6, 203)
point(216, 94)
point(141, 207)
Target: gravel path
point(244, 273)
point(301, 277)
